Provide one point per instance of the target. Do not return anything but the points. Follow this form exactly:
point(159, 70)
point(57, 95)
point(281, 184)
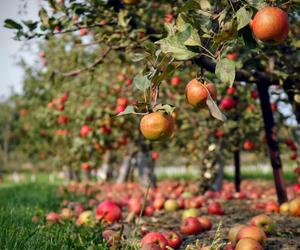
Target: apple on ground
point(85, 218)
point(294, 207)
point(248, 244)
point(205, 223)
point(284, 208)
point(233, 233)
point(190, 226)
point(173, 238)
point(171, 205)
point(191, 212)
point(252, 232)
point(264, 222)
point(53, 218)
point(108, 211)
point(155, 238)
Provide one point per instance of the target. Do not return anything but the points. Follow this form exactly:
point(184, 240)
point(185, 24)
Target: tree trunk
point(237, 170)
point(218, 183)
point(125, 168)
point(77, 175)
point(106, 168)
point(272, 142)
point(145, 165)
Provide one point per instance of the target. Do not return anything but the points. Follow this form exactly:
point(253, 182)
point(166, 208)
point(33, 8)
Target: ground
point(19, 203)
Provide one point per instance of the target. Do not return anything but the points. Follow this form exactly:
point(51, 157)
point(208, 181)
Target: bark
point(272, 142)
point(125, 168)
point(88, 174)
point(217, 186)
point(145, 165)
point(237, 170)
point(106, 168)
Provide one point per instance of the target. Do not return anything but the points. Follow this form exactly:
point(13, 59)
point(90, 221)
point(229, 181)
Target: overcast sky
point(11, 50)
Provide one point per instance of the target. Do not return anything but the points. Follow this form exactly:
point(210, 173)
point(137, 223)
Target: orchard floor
point(18, 204)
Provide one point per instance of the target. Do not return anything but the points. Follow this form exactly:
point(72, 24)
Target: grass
point(19, 203)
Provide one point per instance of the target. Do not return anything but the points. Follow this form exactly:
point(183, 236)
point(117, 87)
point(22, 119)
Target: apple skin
point(284, 208)
point(151, 246)
point(108, 211)
point(173, 238)
point(66, 213)
point(155, 238)
point(205, 223)
point(53, 218)
point(85, 129)
point(252, 232)
point(148, 211)
point(233, 233)
point(272, 207)
point(248, 244)
point(264, 222)
point(229, 247)
point(190, 226)
point(191, 212)
point(175, 81)
point(294, 207)
point(85, 218)
point(171, 205)
point(135, 206)
point(158, 203)
point(215, 208)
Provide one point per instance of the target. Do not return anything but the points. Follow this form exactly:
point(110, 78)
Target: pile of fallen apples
point(115, 206)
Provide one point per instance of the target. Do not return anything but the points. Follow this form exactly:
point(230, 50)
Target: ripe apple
point(148, 211)
point(169, 18)
point(205, 223)
point(284, 208)
point(227, 103)
point(175, 81)
point(53, 218)
point(231, 90)
point(85, 130)
point(233, 233)
point(66, 213)
point(248, 244)
point(155, 238)
point(254, 94)
point(83, 31)
point(171, 205)
point(264, 222)
point(272, 207)
point(294, 207)
point(85, 166)
point(232, 56)
point(120, 109)
point(248, 145)
point(108, 211)
point(135, 206)
point(85, 218)
point(252, 232)
point(158, 203)
point(173, 238)
point(190, 226)
point(215, 208)
point(191, 212)
point(155, 155)
point(122, 101)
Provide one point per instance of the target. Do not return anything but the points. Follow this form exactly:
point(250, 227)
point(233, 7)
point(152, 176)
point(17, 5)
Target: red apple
point(135, 205)
point(175, 81)
point(215, 208)
point(233, 233)
point(108, 211)
point(227, 103)
point(53, 218)
point(248, 244)
point(148, 211)
point(264, 222)
point(155, 238)
point(173, 238)
point(85, 130)
point(294, 207)
point(205, 223)
point(155, 155)
point(252, 232)
point(190, 226)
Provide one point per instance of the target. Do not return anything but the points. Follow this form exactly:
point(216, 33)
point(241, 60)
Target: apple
point(294, 207)
point(120, 109)
point(205, 223)
point(231, 90)
point(122, 101)
point(233, 233)
point(248, 145)
point(158, 203)
point(227, 103)
point(53, 218)
point(85, 166)
point(173, 238)
point(264, 222)
point(191, 212)
point(215, 208)
point(64, 98)
point(232, 56)
point(66, 213)
point(190, 226)
point(111, 236)
point(85, 218)
point(83, 31)
point(155, 238)
point(135, 206)
point(254, 94)
point(248, 244)
point(252, 232)
point(169, 18)
point(171, 205)
point(148, 211)
point(85, 130)
point(108, 211)
point(186, 195)
point(42, 54)
point(175, 81)
point(284, 208)
point(155, 155)
point(62, 119)
point(272, 207)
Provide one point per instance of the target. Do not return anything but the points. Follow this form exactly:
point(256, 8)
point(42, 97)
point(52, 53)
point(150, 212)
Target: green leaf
point(141, 82)
point(257, 4)
point(30, 24)
point(225, 71)
point(243, 16)
point(11, 24)
point(169, 109)
point(123, 20)
point(193, 36)
point(44, 17)
point(128, 110)
point(136, 57)
point(214, 109)
point(189, 5)
point(228, 32)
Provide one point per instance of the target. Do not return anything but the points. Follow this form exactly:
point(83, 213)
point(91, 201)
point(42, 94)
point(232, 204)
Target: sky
point(10, 50)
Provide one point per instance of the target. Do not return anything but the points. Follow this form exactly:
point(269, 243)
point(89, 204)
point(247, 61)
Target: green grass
point(17, 232)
